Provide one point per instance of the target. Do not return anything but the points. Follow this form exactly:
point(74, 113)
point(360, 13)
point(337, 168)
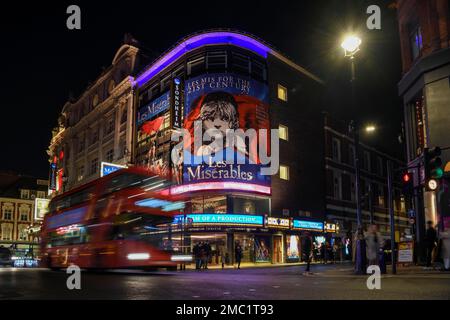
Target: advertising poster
point(292, 247)
point(405, 252)
point(262, 249)
point(223, 102)
point(40, 208)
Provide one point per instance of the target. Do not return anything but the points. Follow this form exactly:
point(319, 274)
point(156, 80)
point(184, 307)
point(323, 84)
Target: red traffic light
point(406, 178)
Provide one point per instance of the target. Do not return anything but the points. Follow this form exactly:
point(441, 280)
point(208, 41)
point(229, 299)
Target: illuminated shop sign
point(177, 103)
point(225, 101)
point(107, 168)
point(282, 223)
point(224, 219)
point(52, 178)
point(208, 186)
point(40, 208)
point(330, 227)
point(307, 225)
point(153, 108)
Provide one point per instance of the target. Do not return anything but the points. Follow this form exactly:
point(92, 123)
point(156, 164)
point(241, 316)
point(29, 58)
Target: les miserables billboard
point(224, 102)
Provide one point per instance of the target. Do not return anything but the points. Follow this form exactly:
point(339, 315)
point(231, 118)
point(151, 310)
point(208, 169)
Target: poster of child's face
point(224, 102)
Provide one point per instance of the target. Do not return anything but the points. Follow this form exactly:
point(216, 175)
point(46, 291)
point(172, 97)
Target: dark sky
point(43, 61)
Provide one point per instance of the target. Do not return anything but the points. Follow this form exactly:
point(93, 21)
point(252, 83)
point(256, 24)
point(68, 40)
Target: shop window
point(284, 172)
point(283, 130)
point(209, 205)
point(23, 234)
point(282, 93)
point(41, 194)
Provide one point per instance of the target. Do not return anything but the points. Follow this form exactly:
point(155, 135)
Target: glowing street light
point(351, 45)
point(370, 128)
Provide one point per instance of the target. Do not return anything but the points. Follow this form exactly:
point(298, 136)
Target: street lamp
point(351, 44)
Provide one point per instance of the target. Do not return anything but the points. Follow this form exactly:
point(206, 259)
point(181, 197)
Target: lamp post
point(351, 45)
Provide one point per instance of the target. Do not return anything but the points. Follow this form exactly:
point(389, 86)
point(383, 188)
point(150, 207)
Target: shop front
point(263, 239)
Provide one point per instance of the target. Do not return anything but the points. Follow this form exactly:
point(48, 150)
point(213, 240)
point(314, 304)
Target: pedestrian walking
point(207, 248)
point(445, 251)
point(196, 252)
point(430, 243)
point(238, 254)
point(372, 242)
point(307, 247)
point(360, 251)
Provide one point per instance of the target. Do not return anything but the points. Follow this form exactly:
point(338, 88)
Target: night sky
point(43, 61)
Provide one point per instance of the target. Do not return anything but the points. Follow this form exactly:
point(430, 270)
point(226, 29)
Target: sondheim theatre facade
point(229, 80)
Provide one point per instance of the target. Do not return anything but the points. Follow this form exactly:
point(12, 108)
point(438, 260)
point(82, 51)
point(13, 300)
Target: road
point(328, 282)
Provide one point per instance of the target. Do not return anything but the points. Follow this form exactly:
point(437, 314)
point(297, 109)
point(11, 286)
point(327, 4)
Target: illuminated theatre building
point(228, 80)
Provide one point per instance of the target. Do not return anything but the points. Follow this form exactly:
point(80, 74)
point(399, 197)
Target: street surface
point(328, 282)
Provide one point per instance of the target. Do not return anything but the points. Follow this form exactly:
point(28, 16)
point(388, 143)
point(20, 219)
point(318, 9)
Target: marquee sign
point(220, 219)
point(307, 225)
point(281, 223)
point(107, 168)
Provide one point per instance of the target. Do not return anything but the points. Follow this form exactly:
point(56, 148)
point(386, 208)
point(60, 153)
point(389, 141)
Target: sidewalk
point(249, 265)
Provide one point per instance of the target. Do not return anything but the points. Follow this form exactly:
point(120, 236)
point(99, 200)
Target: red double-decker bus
point(122, 220)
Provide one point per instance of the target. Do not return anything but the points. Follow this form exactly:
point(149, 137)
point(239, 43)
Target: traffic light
point(433, 163)
point(408, 183)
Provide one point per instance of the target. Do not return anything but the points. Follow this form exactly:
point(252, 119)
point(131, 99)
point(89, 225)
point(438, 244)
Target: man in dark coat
point(307, 246)
point(430, 242)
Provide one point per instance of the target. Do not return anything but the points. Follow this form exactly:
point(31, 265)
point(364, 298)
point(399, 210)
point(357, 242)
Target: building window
point(415, 41)
point(216, 60)
point(109, 128)
point(380, 170)
point(94, 166)
point(241, 63)
point(81, 145)
point(196, 66)
point(7, 213)
point(282, 93)
point(111, 86)
point(24, 194)
point(123, 119)
point(336, 149)
point(22, 231)
point(337, 185)
point(366, 161)
point(41, 194)
point(80, 175)
point(352, 188)
point(110, 155)
point(94, 135)
point(351, 155)
point(23, 216)
point(284, 172)
point(7, 231)
point(95, 101)
point(283, 130)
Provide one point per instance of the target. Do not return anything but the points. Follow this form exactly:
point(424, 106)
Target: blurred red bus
point(122, 220)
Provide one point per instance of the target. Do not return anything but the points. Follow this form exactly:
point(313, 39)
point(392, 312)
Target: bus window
point(152, 229)
point(72, 199)
point(68, 235)
point(128, 180)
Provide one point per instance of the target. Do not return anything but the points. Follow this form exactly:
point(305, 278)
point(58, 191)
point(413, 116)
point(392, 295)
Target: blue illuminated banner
point(153, 108)
point(224, 219)
point(163, 204)
point(308, 225)
point(107, 168)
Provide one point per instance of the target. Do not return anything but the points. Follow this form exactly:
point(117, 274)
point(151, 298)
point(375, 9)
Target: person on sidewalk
point(196, 252)
point(238, 254)
point(372, 241)
point(307, 247)
point(360, 252)
point(445, 251)
point(207, 248)
point(430, 242)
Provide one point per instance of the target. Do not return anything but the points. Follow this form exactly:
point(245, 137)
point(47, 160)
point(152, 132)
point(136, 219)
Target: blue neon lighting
point(67, 218)
point(163, 204)
point(211, 38)
point(223, 219)
point(310, 225)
